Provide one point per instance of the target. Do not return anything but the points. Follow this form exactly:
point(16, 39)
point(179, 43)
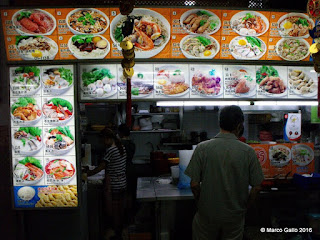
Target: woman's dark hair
point(124, 130)
point(230, 117)
point(108, 133)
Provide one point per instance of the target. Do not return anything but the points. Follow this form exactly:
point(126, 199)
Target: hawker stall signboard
point(43, 136)
point(165, 33)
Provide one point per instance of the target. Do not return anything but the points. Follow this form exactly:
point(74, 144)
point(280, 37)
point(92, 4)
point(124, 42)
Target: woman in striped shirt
point(115, 181)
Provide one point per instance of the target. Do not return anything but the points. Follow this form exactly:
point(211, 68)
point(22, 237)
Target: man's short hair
point(124, 130)
point(230, 117)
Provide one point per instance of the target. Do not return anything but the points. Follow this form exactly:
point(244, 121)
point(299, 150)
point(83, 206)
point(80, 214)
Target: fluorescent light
point(201, 103)
point(265, 103)
point(286, 103)
point(297, 103)
point(169, 103)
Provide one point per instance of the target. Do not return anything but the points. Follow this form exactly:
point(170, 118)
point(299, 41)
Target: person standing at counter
point(115, 181)
point(221, 170)
point(124, 134)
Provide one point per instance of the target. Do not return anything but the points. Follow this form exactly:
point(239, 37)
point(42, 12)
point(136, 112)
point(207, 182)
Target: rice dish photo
point(301, 83)
point(241, 82)
point(207, 84)
point(200, 22)
point(57, 80)
point(87, 21)
point(172, 80)
point(146, 29)
point(25, 80)
point(34, 22)
point(292, 49)
point(26, 193)
point(249, 23)
point(199, 46)
point(295, 25)
point(89, 46)
point(99, 82)
point(247, 48)
point(36, 47)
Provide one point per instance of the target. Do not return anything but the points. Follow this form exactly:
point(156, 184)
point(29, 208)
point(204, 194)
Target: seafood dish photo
point(99, 82)
point(36, 47)
point(247, 48)
point(28, 171)
point(26, 109)
point(141, 86)
point(241, 82)
point(89, 46)
point(279, 155)
point(302, 154)
point(207, 84)
point(58, 109)
point(57, 79)
point(301, 83)
point(146, 29)
point(292, 49)
point(60, 169)
point(87, 21)
point(172, 80)
point(269, 80)
point(25, 80)
point(59, 140)
point(295, 25)
point(34, 22)
point(27, 140)
point(199, 46)
point(200, 21)
point(249, 23)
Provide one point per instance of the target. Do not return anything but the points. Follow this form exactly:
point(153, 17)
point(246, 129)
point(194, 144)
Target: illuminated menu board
point(164, 33)
point(42, 112)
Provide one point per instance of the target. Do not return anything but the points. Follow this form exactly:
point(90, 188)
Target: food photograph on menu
point(247, 48)
point(36, 47)
point(27, 140)
point(57, 80)
point(59, 140)
point(295, 25)
point(272, 81)
point(26, 110)
point(200, 21)
point(302, 82)
point(151, 31)
point(25, 80)
point(249, 23)
point(206, 81)
point(171, 80)
point(34, 22)
point(87, 21)
point(141, 82)
point(239, 81)
point(199, 47)
point(57, 111)
point(98, 81)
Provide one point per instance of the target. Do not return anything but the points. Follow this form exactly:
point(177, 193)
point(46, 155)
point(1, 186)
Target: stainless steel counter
point(156, 189)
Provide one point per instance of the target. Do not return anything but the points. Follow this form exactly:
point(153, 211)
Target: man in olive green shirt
point(221, 170)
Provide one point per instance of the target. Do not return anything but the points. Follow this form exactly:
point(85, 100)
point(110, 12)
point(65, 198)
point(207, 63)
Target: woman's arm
point(101, 166)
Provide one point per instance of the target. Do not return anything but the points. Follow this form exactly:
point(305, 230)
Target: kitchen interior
point(159, 132)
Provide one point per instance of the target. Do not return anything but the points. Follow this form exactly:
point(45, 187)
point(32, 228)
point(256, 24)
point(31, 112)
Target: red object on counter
point(243, 139)
point(128, 103)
